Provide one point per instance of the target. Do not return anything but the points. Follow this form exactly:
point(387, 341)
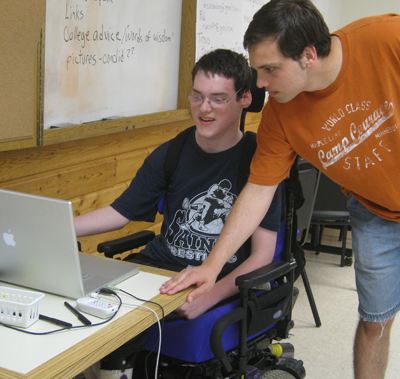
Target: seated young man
point(203, 188)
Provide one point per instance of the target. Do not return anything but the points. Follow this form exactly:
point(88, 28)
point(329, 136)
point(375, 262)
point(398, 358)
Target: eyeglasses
point(214, 101)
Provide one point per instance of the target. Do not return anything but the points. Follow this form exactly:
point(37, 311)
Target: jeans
point(376, 248)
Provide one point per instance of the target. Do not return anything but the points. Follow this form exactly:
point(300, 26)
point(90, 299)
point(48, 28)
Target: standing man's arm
point(263, 244)
point(245, 216)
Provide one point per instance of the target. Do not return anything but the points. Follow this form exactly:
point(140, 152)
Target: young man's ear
point(246, 99)
point(309, 57)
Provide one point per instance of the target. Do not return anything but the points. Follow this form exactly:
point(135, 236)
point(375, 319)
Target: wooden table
point(67, 353)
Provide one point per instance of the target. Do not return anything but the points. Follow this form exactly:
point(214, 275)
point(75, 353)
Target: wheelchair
point(238, 338)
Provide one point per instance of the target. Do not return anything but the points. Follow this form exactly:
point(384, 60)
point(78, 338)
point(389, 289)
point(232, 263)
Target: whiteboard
point(110, 58)
point(222, 23)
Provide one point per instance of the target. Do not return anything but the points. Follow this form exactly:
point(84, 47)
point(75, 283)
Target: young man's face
point(216, 121)
point(283, 78)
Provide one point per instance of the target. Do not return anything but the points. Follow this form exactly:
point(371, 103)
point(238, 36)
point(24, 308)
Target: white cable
point(159, 333)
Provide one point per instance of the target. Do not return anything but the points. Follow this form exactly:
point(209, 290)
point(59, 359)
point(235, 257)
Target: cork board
point(20, 30)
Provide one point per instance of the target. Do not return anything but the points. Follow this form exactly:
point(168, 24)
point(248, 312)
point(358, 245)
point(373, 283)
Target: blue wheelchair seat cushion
point(189, 340)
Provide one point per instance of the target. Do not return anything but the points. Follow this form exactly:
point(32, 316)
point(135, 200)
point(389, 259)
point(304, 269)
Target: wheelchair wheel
point(277, 374)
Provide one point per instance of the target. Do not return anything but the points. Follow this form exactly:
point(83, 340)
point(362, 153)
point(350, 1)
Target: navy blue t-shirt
point(198, 200)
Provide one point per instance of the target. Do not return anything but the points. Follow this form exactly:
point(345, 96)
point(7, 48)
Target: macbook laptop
point(38, 249)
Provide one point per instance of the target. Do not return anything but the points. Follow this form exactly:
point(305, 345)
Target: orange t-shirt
point(350, 130)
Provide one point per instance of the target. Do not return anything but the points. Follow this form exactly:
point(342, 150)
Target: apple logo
point(9, 239)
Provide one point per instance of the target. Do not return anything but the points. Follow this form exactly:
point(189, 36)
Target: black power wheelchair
point(239, 338)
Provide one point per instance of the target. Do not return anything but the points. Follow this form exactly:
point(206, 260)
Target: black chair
point(309, 179)
point(330, 211)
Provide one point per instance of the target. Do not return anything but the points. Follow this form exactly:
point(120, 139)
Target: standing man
point(334, 100)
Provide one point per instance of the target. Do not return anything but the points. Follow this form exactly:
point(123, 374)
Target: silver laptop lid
point(38, 248)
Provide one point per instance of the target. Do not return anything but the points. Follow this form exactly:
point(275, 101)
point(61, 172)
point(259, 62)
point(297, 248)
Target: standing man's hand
point(202, 276)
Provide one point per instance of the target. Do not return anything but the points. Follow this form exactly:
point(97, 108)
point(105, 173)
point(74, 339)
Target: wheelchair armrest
point(262, 275)
point(133, 241)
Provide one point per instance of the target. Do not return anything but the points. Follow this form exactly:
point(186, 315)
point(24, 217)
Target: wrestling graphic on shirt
point(196, 226)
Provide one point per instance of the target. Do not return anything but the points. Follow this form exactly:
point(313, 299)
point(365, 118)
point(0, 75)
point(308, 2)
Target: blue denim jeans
point(376, 249)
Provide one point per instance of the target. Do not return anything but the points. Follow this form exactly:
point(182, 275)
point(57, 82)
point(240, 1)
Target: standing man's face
point(283, 78)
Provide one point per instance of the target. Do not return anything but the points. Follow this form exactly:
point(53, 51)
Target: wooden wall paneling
point(129, 163)
point(68, 183)
point(99, 199)
point(155, 135)
point(38, 160)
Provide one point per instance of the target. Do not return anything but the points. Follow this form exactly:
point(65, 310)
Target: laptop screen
point(38, 248)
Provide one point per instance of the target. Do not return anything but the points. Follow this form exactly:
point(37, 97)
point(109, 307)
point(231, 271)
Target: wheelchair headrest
point(258, 95)
point(257, 102)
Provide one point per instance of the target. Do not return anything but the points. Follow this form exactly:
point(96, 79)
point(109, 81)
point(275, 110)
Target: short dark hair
point(294, 24)
point(228, 64)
